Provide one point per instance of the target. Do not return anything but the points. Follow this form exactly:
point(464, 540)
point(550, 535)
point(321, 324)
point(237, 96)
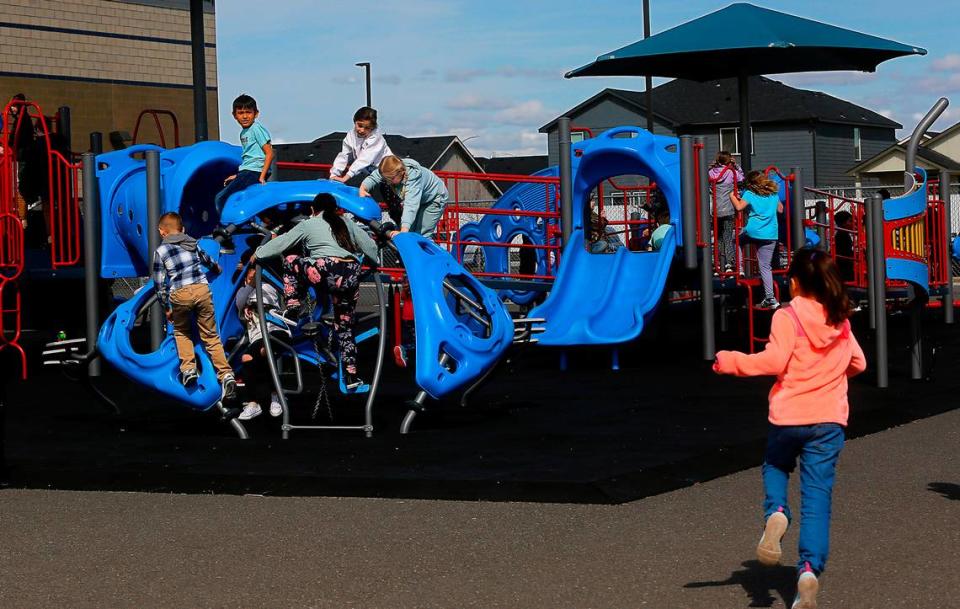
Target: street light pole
point(648, 79)
point(366, 68)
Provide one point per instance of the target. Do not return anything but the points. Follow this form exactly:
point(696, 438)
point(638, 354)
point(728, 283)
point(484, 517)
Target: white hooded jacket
point(357, 154)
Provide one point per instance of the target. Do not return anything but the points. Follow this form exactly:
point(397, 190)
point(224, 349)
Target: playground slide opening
point(600, 299)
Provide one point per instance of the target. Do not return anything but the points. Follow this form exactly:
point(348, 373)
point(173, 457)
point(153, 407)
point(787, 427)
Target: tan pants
point(196, 299)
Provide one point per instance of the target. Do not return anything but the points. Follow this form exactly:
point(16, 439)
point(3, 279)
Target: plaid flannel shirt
point(174, 265)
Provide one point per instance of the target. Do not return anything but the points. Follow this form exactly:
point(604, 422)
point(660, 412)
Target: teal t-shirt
point(252, 140)
point(656, 239)
point(761, 216)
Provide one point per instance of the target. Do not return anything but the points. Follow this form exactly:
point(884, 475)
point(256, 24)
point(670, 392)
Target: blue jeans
point(818, 447)
point(245, 179)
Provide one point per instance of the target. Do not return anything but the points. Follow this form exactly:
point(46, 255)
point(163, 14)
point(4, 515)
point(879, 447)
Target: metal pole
point(366, 68)
point(821, 211)
point(91, 257)
point(648, 81)
point(64, 125)
point(911, 153)
point(199, 56)
point(916, 334)
point(158, 320)
point(743, 91)
point(566, 180)
point(96, 142)
point(948, 295)
point(880, 289)
point(706, 256)
point(688, 202)
point(796, 209)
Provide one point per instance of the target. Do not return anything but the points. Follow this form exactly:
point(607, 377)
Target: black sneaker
point(229, 387)
point(351, 381)
point(189, 377)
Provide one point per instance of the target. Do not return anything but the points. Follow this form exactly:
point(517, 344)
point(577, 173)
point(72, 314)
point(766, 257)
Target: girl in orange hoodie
point(811, 352)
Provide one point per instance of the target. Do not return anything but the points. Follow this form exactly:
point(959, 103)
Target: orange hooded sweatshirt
point(811, 364)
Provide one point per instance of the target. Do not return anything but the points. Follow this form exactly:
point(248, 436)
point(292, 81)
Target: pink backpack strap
point(796, 321)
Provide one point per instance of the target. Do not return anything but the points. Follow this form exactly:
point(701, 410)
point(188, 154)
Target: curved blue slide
point(602, 299)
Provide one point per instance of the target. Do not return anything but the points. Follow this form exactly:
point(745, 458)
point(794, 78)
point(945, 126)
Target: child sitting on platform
point(663, 227)
point(257, 154)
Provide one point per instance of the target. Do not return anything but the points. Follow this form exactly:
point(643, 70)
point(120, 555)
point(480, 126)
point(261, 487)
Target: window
point(577, 136)
point(730, 140)
point(856, 144)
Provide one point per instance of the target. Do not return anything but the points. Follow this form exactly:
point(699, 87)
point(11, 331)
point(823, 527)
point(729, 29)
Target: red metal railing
point(11, 266)
point(857, 232)
point(155, 115)
point(937, 235)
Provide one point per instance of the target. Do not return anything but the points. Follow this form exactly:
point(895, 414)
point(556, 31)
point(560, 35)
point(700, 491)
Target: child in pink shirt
point(812, 352)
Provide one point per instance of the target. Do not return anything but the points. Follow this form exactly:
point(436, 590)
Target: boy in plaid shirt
point(178, 262)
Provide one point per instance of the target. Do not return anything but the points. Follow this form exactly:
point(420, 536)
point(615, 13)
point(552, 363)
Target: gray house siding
point(783, 146)
point(605, 114)
point(836, 154)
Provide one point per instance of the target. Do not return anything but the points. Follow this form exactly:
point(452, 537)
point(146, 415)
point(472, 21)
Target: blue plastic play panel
point(441, 327)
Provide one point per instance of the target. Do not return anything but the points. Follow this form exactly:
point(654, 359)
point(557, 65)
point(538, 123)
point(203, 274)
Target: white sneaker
point(250, 410)
point(275, 408)
point(807, 586)
point(768, 550)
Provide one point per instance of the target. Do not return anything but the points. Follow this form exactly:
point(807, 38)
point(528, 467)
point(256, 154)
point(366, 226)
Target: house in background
point(818, 133)
point(513, 165)
point(937, 152)
point(437, 153)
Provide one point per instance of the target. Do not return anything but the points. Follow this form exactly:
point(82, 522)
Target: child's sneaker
point(229, 387)
point(250, 410)
point(276, 409)
point(807, 587)
point(400, 356)
point(769, 303)
point(189, 377)
point(768, 550)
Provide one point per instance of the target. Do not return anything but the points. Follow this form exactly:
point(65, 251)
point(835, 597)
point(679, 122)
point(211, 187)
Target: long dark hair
point(819, 278)
point(326, 204)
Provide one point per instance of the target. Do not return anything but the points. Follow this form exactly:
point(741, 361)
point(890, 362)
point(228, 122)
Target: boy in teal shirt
point(257, 152)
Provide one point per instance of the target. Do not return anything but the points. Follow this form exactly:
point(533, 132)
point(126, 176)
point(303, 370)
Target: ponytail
point(326, 204)
point(818, 277)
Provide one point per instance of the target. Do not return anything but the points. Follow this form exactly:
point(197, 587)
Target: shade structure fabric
point(743, 39)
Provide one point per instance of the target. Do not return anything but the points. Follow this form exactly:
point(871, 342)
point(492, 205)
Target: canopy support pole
point(743, 93)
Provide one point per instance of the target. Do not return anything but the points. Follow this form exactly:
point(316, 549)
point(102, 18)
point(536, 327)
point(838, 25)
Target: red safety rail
point(62, 204)
point(459, 213)
point(937, 235)
point(155, 115)
point(11, 266)
point(857, 231)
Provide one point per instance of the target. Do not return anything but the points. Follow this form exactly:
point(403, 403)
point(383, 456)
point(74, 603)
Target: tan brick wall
point(104, 106)
point(107, 107)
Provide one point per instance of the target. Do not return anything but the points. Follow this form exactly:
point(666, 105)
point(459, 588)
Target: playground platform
point(589, 435)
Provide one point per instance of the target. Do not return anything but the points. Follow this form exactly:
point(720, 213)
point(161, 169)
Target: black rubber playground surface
point(534, 433)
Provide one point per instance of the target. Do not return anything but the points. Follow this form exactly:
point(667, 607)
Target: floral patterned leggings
point(338, 279)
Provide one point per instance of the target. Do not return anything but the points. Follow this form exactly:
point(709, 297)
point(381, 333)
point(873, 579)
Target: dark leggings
point(338, 279)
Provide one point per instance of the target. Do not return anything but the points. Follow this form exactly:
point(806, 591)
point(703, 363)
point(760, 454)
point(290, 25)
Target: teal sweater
point(318, 241)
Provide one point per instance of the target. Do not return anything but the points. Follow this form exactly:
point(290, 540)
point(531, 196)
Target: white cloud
point(472, 101)
point(345, 80)
point(947, 63)
point(471, 74)
point(388, 79)
point(528, 113)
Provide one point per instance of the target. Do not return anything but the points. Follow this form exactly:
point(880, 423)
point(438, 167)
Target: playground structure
point(592, 299)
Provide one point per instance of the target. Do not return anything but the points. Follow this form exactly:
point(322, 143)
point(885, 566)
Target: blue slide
point(602, 299)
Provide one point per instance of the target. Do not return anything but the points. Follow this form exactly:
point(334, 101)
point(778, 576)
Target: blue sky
point(491, 71)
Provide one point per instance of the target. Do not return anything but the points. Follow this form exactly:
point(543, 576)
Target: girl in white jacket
point(363, 148)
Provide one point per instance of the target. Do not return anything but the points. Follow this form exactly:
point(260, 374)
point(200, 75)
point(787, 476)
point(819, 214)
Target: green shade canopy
point(743, 39)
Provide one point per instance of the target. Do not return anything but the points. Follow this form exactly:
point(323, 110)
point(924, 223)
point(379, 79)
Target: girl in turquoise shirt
point(762, 203)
